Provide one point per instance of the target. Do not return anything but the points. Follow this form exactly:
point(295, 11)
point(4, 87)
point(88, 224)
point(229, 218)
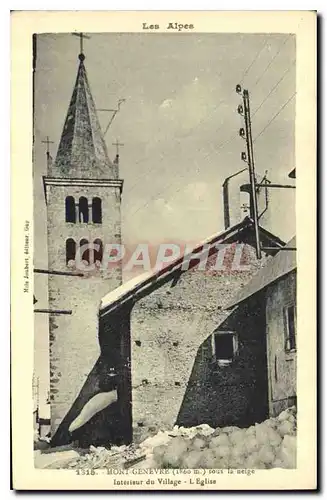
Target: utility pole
point(249, 157)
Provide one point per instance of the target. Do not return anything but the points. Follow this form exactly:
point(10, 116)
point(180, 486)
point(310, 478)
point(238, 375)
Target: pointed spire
point(82, 151)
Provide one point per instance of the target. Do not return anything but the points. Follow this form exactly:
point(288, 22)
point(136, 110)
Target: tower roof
point(82, 150)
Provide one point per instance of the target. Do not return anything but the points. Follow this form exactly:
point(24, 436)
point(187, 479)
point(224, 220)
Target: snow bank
point(266, 445)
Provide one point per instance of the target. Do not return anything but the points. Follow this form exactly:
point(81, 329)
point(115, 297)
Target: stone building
point(272, 294)
point(83, 199)
point(167, 335)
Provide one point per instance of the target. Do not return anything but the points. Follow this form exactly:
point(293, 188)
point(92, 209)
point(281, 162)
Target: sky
point(179, 126)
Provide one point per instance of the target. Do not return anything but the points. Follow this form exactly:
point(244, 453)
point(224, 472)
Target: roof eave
point(231, 305)
point(159, 276)
point(170, 268)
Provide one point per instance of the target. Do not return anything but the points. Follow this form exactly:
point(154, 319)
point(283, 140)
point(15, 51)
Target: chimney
point(226, 204)
point(231, 198)
point(237, 198)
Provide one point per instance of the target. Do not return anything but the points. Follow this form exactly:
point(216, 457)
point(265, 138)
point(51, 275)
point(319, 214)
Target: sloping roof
point(82, 148)
point(292, 174)
point(139, 284)
point(278, 266)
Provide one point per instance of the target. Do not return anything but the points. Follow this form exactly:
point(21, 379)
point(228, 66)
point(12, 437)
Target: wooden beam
point(293, 249)
point(287, 186)
point(60, 273)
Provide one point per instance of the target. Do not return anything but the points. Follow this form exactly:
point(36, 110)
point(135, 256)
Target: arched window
point(70, 209)
point(85, 252)
point(83, 210)
point(98, 254)
point(70, 250)
point(96, 211)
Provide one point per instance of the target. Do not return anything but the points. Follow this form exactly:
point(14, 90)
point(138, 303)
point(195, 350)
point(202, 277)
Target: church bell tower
point(83, 197)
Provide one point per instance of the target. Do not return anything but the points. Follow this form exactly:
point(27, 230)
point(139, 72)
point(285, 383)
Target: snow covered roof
point(278, 266)
point(134, 286)
point(82, 148)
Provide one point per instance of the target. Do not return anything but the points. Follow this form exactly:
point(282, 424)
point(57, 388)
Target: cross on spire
point(81, 36)
point(117, 144)
point(48, 142)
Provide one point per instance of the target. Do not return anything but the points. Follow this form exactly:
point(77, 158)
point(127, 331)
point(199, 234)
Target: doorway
point(115, 345)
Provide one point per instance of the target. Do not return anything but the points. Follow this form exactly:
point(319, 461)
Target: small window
point(224, 346)
point(290, 328)
point(96, 211)
point(85, 252)
point(70, 250)
point(98, 250)
point(70, 209)
point(83, 210)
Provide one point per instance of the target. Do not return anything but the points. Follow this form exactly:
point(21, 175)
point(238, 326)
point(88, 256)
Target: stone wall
point(74, 347)
point(235, 393)
point(171, 332)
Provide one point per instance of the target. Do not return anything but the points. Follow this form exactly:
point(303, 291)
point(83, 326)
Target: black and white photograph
point(164, 254)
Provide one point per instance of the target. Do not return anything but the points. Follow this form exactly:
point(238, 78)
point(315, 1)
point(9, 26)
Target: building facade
point(274, 286)
point(281, 343)
point(83, 199)
point(190, 362)
point(181, 358)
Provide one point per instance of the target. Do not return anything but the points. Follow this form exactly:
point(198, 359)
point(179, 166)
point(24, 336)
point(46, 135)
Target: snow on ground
point(262, 446)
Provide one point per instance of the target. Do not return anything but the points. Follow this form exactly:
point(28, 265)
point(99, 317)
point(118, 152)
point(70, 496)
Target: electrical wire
point(171, 183)
point(254, 60)
point(270, 63)
point(179, 138)
point(246, 71)
point(221, 145)
point(227, 141)
point(274, 87)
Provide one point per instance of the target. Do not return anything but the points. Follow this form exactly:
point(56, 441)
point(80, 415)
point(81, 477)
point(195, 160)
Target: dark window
point(225, 345)
point(98, 254)
point(96, 211)
point(83, 210)
point(70, 209)
point(70, 250)
point(85, 252)
point(290, 328)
